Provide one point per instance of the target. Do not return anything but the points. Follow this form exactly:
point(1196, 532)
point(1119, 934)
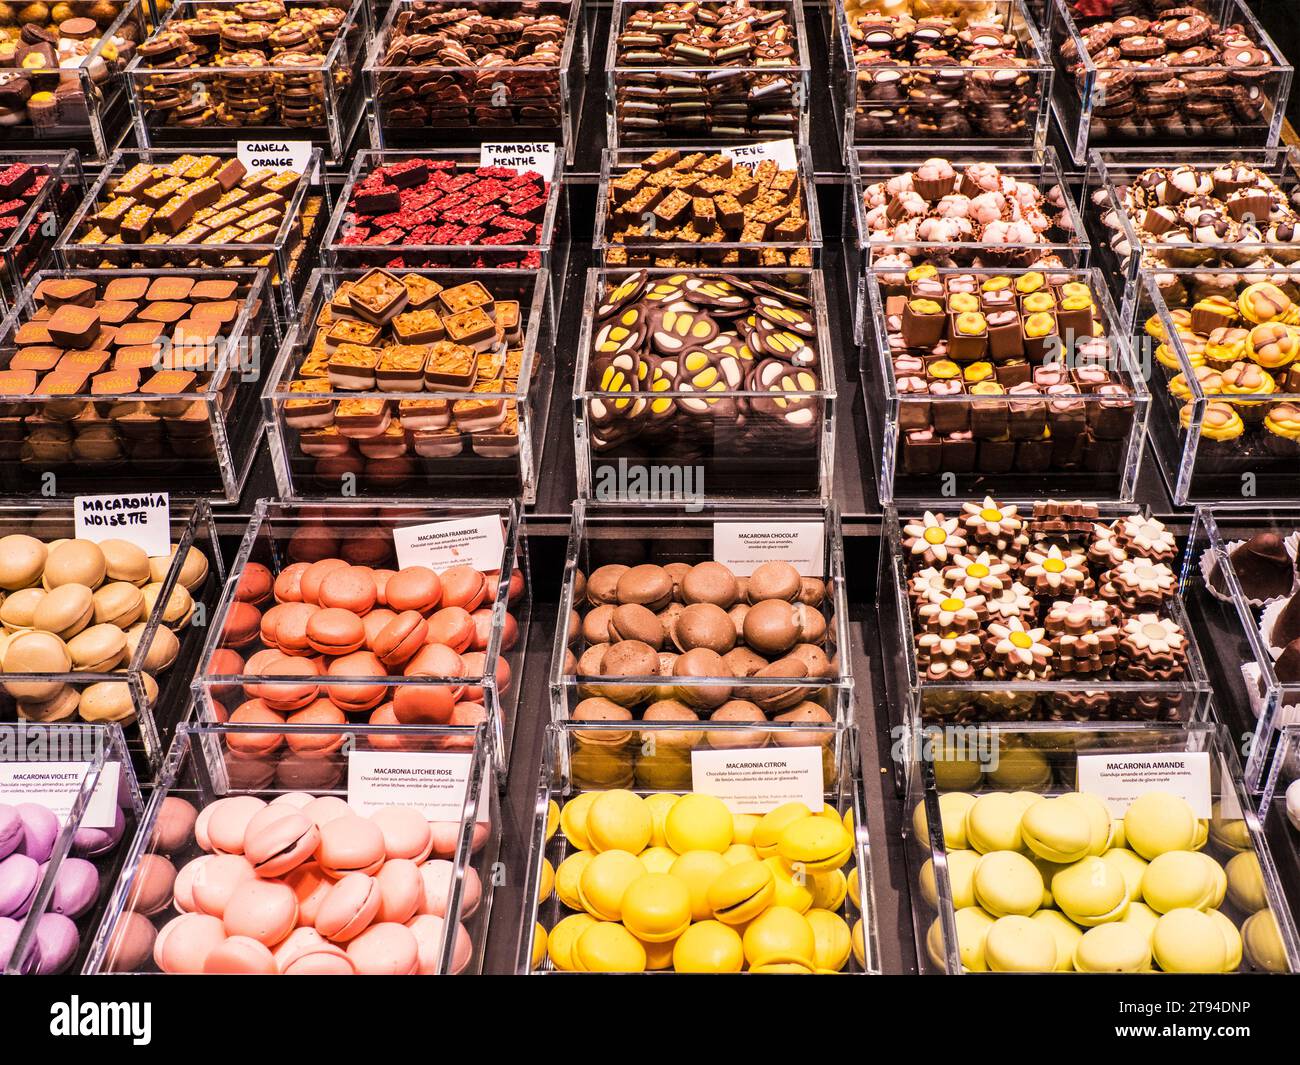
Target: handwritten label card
point(143, 520)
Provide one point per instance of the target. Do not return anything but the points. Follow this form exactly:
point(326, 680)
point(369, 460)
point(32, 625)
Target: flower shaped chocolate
point(951, 610)
point(983, 573)
point(933, 539)
point(1056, 571)
point(1149, 637)
point(1020, 650)
point(1083, 634)
point(1139, 582)
point(949, 657)
point(1013, 601)
point(925, 581)
point(989, 522)
point(1147, 538)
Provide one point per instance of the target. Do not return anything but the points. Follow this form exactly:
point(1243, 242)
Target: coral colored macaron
point(385, 950)
point(255, 584)
point(463, 586)
point(405, 830)
point(335, 631)
point(399, 640)
point(314, 577)
point(243, 624)
point(349, 588)
point(350, 907)
point(414, 588)
point(452, 626)
point(283, 844)
point(287, 588)
point(265, 910)
point(240, 956)
point(351, 844)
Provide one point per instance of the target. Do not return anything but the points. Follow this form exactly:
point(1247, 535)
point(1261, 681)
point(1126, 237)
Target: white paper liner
point(1266, 621)
point(1291, 544)
point(1250, 674)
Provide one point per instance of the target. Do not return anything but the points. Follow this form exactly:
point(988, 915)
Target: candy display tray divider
point(1062, 744)
point(107, 109)
point(883, 417)
point(1183, 455)
point(911, 696)
point(563, 776)
point(278, 251)
point(268, 540)
point(551, 247)
point(686, 532)
point(1250, 700)
point(1073, 103)
point(466, 474)
point(1278, 830)
point(728, 473)
point(96, 747)
point(344, 108)
point(612, 164)
point(59, 197)
point(1108, 170)
point(230, 395)
point(1040, 166)
point(146, 736)
point(850, 100)
point(569, 75)
point(617, 75)
point(202, 768)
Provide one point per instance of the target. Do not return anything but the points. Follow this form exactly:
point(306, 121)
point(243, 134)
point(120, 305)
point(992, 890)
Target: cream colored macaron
point(1018, 944)
point(1101, 825)
point(1117, 947)
point(961, 879)
point(953, 806)
point(1157, 822)
point(1246, 882)
point(1090, 892)
point(993, 823)
point(973, 926)
point(1066, 933)
point(1189, 941)
point(1057, 830)
point(1130, 866)
point(1006, 883)
point(1262, 942)
point(1178, 880)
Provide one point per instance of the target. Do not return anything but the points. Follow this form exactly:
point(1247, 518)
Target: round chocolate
point(646, 585)
point(773, 626)
point(774, 697)
point(744, 662)
point(774, 580)
point(1264, 568)
point(704, 625)
point(701, 662)
point(731, 712)
point(812, 591)
point(22, 560)
point(595, 626)
point(602, 585)
point(631, 621)
point(710, 582)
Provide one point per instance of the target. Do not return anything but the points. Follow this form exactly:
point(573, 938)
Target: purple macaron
point(92, 842)
point(40, 830)
point(56, 943)
point(9, 931)
point(76, 886)
point(11, 830)
point(19, 879)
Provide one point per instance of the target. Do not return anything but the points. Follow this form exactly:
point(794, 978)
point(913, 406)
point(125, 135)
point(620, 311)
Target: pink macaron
point(184, 943)
point(154, 885)
point(428, 930)
point(265, 910)
point(310, 886)
point(307, 953)
point(385, 949)
point(406, 832)
point(228, 820)
point(350, 907)
point(173, 828)
point(401, 890)
point(283, 844)
point(350, 844)
point(240, 956)
point(216, 881)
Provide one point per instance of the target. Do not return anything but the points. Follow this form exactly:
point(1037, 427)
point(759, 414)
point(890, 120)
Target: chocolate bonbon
point(1053, 594)
point(670, 353)
point(677, 208)
point(259, 63)
point(401, 202)
point(948, 76)
point(490, 69)
point(996, 373)
point(1170, 71)
point(710, 70)
point(973, 215)
point(449, 353)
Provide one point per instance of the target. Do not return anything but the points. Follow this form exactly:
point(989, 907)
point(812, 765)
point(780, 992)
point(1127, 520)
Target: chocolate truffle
point(1263, 567)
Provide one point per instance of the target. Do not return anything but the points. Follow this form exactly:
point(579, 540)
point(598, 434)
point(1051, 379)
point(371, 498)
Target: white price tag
point(520, 156)
point(1118, 779)
point(478, 542)
point(434, 782)
point(276, 155)
point(55, 785)
point(754, 782)
point(743, 546)
point(781, 152)
point(143, 520)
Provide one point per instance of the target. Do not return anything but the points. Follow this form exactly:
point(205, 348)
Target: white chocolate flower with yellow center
point(1056, 570)
point(983, 573)
point(935, 538)
point(991, 521)
point(1020, 648)
point(951, 610)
